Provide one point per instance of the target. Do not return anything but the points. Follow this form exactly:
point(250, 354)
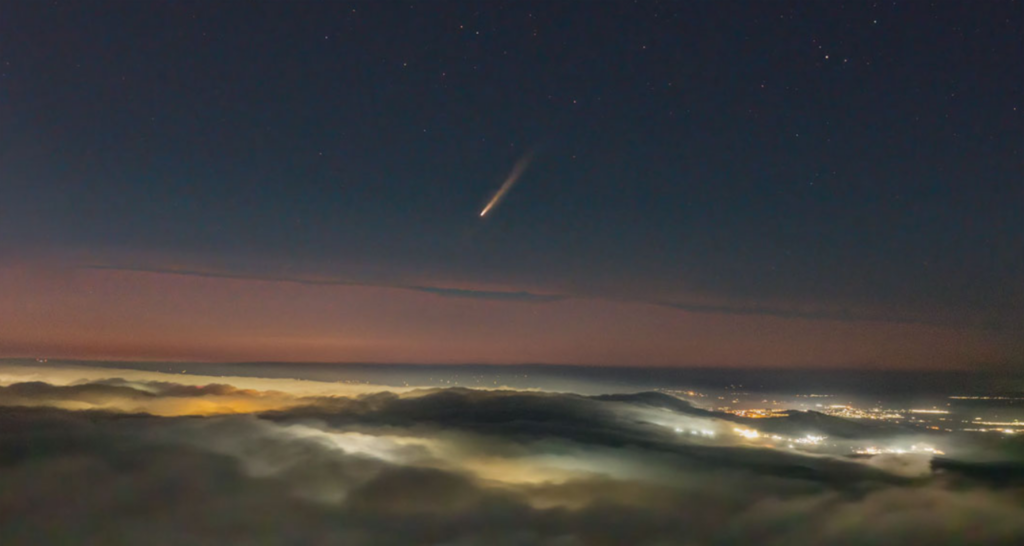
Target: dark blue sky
point(846, 160)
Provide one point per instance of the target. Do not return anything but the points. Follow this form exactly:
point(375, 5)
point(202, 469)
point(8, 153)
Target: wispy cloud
point(495, 295)
point(753, 309)
point(489, 294)
point(840, 314)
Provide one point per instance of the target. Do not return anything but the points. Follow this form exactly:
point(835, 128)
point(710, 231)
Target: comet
point(517, 171)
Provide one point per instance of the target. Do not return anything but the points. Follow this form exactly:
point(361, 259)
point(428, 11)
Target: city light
point(916, 448)
point(761, 413)
point(750, 434)
point(850, 412)
point(705, 433)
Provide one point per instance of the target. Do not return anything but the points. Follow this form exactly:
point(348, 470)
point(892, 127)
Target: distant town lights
point(747, 433)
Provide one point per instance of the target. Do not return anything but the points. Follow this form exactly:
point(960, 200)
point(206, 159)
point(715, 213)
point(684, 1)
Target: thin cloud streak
point(840, 315)
point(497, 295)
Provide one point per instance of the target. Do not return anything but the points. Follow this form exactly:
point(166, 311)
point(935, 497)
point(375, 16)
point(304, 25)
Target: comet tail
point(517, 171)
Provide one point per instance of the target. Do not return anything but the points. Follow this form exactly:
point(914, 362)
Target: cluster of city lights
point(850, 412)
point(761, 413)
point(747, 433)
point(916, 448)
point(935, 418)
point(1014, 423)
point(682, 394)
point(986, 398)
point(807, 440)
point(704, 433)
point(810, 440)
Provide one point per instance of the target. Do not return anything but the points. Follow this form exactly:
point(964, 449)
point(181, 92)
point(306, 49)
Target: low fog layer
point(130, 461)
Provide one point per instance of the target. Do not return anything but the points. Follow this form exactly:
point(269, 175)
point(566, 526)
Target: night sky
point(764, 184)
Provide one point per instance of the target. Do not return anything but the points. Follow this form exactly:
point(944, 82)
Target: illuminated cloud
point(452, 466)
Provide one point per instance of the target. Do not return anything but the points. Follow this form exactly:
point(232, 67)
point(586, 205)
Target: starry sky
point(748, 184)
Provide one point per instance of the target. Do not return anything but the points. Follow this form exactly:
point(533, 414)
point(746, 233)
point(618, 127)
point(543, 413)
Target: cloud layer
point(129, 462)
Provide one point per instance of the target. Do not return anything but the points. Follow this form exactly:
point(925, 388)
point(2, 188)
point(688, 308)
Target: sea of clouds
point(160, 459)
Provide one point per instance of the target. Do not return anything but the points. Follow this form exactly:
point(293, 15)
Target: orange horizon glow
point(131, 315)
